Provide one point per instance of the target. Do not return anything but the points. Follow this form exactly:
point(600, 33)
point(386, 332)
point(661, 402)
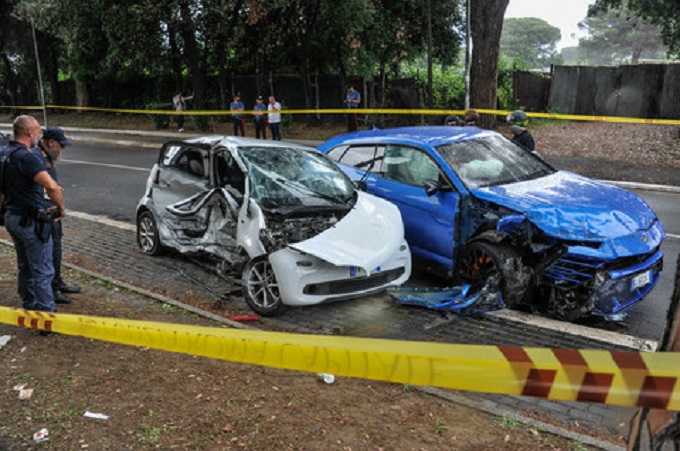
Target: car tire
point(481, 259)
point(147, 234)
point(261, 289)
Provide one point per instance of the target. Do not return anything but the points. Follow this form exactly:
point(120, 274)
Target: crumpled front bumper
point(624, 287)
point(306, 280)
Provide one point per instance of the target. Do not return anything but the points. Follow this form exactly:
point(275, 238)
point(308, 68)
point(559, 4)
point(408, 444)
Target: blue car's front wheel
point(480, 260)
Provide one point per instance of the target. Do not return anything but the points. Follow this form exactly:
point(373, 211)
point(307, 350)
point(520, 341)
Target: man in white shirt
point(179, 103)
point(274, 109)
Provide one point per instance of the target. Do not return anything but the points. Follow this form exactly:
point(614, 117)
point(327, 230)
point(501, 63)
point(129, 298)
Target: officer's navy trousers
point(34, 259)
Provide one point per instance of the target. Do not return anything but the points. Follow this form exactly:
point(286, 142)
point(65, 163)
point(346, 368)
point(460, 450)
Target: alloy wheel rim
point(147, 233)
point(478, 265)
point(262, 285)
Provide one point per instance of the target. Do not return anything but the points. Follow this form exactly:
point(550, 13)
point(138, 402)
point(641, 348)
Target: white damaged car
point(283, 215)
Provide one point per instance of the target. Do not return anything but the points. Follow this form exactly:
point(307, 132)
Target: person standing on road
point(237, 108)
point(27, 222)
point(352, 100)
point(179, 104)
point(260, 119)
point(49, 151)
point(274, 109)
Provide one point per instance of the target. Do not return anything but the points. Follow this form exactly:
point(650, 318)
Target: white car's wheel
point(147, 234)
point(261, 289)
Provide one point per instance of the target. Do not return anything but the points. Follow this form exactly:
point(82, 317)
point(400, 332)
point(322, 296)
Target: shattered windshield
point(492, 160)
point(292, 177)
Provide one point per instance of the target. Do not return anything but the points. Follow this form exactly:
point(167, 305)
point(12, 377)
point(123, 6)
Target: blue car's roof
point(430, 135)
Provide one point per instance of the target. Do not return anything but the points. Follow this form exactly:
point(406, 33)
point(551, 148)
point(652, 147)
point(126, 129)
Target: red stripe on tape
point(570, 357)
point(515, 355)
point(629, 360)
point(539, 383)
point(48, 325)
point(22, 321)
point(595, 387)
point(656, 392)
point(34, 323)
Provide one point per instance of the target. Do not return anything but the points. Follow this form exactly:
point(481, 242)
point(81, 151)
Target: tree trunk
point(82, 94)
point(306, 87)
point(305, 38)
point(191, 53)
point(50, 66)
point(222, 76)
point(430, 94)
point(260, 74)
point(342, 71)
point(175, 57)
point(486, 25)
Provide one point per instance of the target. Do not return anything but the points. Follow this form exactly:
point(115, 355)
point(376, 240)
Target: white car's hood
point(369, 234)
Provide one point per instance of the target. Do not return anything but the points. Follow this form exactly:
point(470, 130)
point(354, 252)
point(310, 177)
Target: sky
point(563, 14)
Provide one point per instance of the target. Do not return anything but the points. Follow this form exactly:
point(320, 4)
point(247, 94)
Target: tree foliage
point(194, 44)
point(530, 40)
point(617, 37)
point(663, 13)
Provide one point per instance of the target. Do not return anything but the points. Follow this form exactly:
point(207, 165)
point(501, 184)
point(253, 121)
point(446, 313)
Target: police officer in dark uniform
point(518, 121)
point(27, 222)
point(49, 150)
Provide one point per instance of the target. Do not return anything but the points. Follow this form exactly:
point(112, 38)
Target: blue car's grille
point(568, 272)
point(615, 288)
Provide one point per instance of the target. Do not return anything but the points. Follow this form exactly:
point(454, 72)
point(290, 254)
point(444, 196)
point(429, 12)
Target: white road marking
point(117, 166)
point(672, 235)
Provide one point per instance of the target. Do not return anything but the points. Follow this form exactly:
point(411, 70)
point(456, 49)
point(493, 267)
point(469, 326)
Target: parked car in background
point(475, 204)
point(282, 215)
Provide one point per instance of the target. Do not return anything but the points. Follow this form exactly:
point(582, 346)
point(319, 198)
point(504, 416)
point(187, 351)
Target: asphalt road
point(108, 181)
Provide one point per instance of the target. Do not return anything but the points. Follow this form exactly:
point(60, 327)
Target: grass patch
point(440, 427)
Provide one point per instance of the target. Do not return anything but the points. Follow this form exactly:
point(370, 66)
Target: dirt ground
point(160, 400)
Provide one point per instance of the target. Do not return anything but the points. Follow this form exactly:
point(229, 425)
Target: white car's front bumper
point(306, 280)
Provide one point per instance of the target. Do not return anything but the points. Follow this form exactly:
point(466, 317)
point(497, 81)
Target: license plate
point(642, 279)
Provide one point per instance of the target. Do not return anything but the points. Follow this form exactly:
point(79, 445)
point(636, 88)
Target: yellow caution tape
point(609, 377)
point(382, 111)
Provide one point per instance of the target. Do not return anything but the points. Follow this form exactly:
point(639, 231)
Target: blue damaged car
point(474, 204)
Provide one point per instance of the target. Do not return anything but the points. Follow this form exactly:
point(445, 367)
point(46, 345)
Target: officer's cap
point(56, 134)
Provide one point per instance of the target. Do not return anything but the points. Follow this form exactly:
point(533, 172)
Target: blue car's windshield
point(492, 160)
point(293, 177)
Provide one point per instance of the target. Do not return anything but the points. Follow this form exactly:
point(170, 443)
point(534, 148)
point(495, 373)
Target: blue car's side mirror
point(431, 187)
